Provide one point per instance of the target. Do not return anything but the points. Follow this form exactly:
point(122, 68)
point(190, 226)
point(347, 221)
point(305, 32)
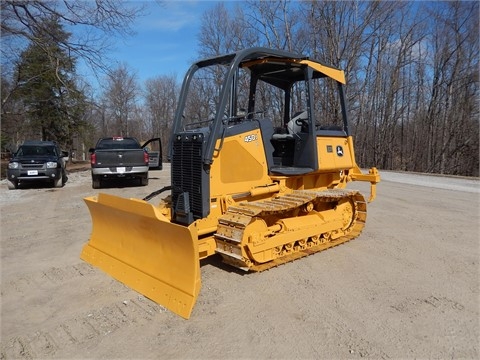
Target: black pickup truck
point(119, 158)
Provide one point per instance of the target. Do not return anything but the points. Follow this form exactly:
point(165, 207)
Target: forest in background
point(412, 73)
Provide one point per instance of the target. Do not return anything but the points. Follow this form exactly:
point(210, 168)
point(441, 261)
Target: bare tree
point(412, 72)
point(89, 27)
point(278, 22)
point(452, 114)
point(120, 98)
point(160, 105)
point(95, 21)
point(222, 32)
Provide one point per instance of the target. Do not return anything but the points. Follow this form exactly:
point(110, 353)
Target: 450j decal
point(250, 138)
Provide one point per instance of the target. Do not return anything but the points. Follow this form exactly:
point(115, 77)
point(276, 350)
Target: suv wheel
point(12, 185)
point(144, 180)
point(58, 183)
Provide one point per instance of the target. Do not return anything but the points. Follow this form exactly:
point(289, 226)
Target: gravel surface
point(455, 183)
point(408, 287)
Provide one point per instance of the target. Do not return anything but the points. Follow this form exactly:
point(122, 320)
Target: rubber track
point(241, 215)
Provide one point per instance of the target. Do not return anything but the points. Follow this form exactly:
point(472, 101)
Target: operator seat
point(284, 144)
point(292, 126)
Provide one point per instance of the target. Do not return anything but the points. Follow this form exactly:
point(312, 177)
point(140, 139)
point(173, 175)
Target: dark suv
point(37, 161)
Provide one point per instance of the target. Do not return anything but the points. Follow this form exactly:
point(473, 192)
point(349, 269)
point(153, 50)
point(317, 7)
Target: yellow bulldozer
point(261, 153)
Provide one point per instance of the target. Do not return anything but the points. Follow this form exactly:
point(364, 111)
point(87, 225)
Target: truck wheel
point(96, 183)
point(12, 185)
point(144, 180)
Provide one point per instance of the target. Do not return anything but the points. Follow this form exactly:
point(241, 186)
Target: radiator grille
point(35, 165)
point(187, 172)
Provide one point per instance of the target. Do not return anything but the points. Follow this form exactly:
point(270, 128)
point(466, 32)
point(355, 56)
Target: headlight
point(13, 165)
point(51, 165)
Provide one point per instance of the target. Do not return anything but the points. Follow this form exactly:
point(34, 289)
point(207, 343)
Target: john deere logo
point(339, 151)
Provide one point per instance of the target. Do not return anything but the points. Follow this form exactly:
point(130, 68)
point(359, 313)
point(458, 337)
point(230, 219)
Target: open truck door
point(154, 150)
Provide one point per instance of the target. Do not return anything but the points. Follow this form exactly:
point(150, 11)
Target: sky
point(166, 39)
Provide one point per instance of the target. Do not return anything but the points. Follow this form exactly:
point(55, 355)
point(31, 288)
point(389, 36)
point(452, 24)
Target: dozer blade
point(137, 245)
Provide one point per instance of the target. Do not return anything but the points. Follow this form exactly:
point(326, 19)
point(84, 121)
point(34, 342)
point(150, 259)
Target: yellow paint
point(240, 165)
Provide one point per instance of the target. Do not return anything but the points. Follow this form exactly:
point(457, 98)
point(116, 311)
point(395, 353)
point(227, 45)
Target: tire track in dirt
point(85, 328)
point(53, 275)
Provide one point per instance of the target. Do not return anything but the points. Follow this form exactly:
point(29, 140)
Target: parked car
point(37, 161)
point(119, 158)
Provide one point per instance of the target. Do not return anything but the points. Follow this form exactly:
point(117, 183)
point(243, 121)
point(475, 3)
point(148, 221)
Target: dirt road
point(408, 287)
